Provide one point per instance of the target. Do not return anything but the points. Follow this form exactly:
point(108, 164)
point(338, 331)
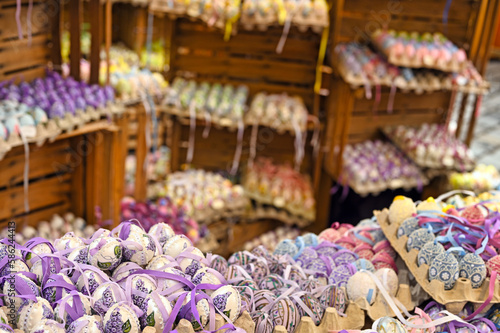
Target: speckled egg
point(285, 313)
point(418, 238)
point(444, 268)
point(428, 252)
point(33, 312)
point(390, 325)
point(408, 226)
point(120, 318)
point(286, 246)
point(472, 267)
point(474, 214)
point(361, 285)
point(401, 209)
point(330, 235)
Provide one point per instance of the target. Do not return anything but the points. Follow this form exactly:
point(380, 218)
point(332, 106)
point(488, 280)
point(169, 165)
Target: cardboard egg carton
point(244, 322)
point(366, 188)
point(354, 319)
point(455, 298)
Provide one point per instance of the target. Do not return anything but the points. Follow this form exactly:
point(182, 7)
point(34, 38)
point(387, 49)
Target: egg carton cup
point(279, 127)
point(165, 6)
point(455, 298)
point(353, 319)
point(317, 22)
point(421, 83)
point(257, 21)
point(369, 187)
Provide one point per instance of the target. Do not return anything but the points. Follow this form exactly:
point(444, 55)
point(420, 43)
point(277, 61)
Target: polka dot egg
point(444, 268)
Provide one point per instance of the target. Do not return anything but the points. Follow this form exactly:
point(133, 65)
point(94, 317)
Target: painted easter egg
point(472, 267)
point(401, 209)
point(419, 238)
point(285, 313)
point(444, 268)
point(361, 285)
point(120, 318)
point(428, 252)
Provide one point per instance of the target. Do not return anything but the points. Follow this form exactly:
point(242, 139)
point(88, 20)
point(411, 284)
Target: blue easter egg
point(286, 246)
point(418, 238)
point(428, 252)
point(408, 226)
point(444, 268)
point(364, 264)
point(472, 267)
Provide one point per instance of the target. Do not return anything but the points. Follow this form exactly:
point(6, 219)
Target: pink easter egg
point(398, 49)
point(364, 251)
point(494, 265)
point(385, 246)
point(410, 50)
point(346, 242)
point(330, 235)
point(383, 260)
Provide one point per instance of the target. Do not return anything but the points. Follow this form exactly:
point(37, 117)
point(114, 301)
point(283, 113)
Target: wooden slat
point(35, 217)
point(75, 13)
point(42, 193)
point(95, 44)
point(39, 23)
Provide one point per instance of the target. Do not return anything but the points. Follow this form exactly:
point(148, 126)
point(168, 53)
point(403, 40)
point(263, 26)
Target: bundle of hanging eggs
point(420, 50)
point(482, 178)
point(122, 280)
point(452, 238)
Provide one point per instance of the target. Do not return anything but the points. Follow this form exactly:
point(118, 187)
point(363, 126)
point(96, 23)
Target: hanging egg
point(472, 267)
point(156, 310)
point(86, 324)
point(263, 322)
point(49, 326)
point(389, 280)
point(262, 298)
point(158, 263)
point(285, 313)
point(258, 269)
point(428, 252)
point(364, 251)
point(418, 238)
point(105, 296)
point(227, 300)
point(105, 253)
point(271, 282)
point(343, 257)
point(444, 268)
point(56, 287)
point(175, 245)
point(401, 209)
point(241, 258)
point(383, 259)
point(313, 308)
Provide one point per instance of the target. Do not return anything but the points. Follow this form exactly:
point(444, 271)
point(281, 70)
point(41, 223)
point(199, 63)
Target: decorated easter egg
point(227, 300)
point(173, 284)
point(158, 263)
point(79, 255)
point(278, 263)
point(310, 239)
point(271, 282)
point(390, 325)
point(191, 260)
point(310, 284)
point(263, 322)
point(285, 313)
point(306, 255)
point(401, 209)
point(472, 267)
point(444, 268)
point(142, 250)
point(140, 286)
point(421, 319)
point(408, 226)
point(16, 265)
point(38, 246)
point(493, 314)
point(383, 259)
point(318, 265)
point(428, 205)
point(309, 306)
point(105, 296)
point(203, 308)
point(333, 297)
point(428, 252)
point(262, 299)
point(257, 269)
point(105, 253)
point(206, 275)
point(162, 232)
point(71, 307)
point(294, 273)
point(389, 280)
point(241, 258)
point(385, 246)
point(286, 246)
point(236, 272)
point(156, 310)
point(493, 265)
point(340, 275)
point(261, 251)
point(330, 235)
point(474, 214)
point(124, 270)
point(93, 279)
point(419, 238)
point(363, 264)
point(361, 285)
point(86, 324)
point(121, 318)
point(32, 312)
point(48, 326)
point(56, 287)
point(346, 242)
point(343, 257)
point(219, 263)
point(364, 251)
point(326, 249)
point(175, 245)
point(18, 282)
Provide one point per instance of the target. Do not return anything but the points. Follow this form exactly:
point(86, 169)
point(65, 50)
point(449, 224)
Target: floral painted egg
point(389, 280)
point(271, 282)
point(68, 241)
point(162, 232)
point(105, 253)
point(361, 286)
point(120, 318)
point(484, 325)
point(309, 306)
point(20, 281)
point(310, 239)
point(140, 286)
point(203, 308)
point(124, 270)
point(472, 267)
point(444, 268)
point(86, 324)
point(428, 252)
point(408, 226)
point(385, 246)
point(494, 265)
point(156, 310)
point(263, 298)
point(206, 275)
point(310, 284)
point(364, 251)
point(105, 296)
point(16, 265)
point(219, 263)
point(33, 312)
point(330, 235)
point(419, 238)
point(263, 322)
point(248, 283)
point(363, 264)
point(56, 287)
point(141, 249)
point(390, 325)
point(306, 255)
point(421, 319)
point(158, 263)
point(175, 245)
point(278, 263)
point(286, 246)
point(38, 246)
point(49, 326)
point(71, 307)
point(190, 261)
point(333, 297)
point(285, 313)
point(401, 209)
point(92, 280)
point(258, 269)
point(340, 275)
point(227, 300)
point(343, 257)
point(79, 255)
point(125, 228)
point(326, 249)
point(261, 251)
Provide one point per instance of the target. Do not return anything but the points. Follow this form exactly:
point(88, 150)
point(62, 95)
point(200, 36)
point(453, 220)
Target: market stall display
point(483, 178)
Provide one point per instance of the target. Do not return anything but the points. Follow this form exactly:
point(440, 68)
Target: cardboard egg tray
point(366, 188)
point(257, 21)
point(455, 298)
